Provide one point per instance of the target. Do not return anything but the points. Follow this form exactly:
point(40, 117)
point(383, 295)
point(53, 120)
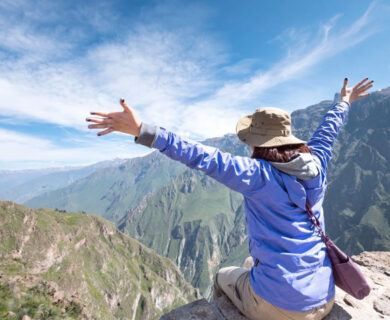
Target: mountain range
point(23, 185)
point(200, 225)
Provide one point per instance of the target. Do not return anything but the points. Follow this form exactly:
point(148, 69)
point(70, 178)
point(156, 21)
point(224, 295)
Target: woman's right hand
point(125, 121)
point(357, 92)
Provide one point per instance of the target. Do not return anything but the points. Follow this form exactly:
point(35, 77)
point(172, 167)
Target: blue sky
point(194, 67)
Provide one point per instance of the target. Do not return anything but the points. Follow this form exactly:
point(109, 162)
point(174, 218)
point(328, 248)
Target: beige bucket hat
point(267, 127)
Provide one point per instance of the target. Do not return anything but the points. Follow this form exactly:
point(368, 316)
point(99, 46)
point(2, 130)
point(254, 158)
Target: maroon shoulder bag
point(347, 275)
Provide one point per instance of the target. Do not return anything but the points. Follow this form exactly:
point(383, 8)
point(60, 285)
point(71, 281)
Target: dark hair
point(284, 153)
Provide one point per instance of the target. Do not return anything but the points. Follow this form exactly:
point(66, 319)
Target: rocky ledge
point(374, 265)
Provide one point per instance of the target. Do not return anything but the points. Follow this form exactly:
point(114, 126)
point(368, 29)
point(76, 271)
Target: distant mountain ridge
point(200, 224)
point(112, 191)
point(23, 185)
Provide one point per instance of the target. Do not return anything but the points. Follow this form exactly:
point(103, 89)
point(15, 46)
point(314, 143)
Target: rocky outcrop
point(374, 265)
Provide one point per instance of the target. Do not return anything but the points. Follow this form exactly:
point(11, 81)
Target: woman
point(292, 276)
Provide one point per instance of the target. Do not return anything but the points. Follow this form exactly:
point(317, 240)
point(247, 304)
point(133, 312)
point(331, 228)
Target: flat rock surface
point(199, 309)
point(374, 265)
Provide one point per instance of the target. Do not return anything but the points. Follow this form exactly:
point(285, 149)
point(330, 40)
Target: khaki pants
point(234, 282)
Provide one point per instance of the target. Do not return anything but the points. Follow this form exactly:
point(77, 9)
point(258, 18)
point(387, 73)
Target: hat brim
point(257, 140)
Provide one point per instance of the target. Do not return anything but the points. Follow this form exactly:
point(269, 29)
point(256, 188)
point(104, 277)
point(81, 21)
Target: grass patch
point(35, 303)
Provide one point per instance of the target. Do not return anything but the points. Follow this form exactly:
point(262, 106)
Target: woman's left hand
point(125, 121)
point(357, 92)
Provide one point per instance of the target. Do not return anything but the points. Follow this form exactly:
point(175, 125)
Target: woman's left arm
point(241, 174)
point(326, 134)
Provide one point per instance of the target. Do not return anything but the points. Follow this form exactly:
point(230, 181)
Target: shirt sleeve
point(242, 174)
point(322, 141)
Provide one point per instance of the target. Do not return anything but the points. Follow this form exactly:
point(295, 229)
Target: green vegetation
point(68, 265)
point(36, 303)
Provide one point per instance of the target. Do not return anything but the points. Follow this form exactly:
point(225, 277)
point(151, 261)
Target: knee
point(248, 263)
point(222, 273)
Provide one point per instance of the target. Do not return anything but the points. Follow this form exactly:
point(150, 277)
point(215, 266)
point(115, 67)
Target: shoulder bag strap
point(315, 222)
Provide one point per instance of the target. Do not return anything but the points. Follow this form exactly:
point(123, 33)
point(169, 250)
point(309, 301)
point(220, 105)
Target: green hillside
point(71, 265)
point(190, 222)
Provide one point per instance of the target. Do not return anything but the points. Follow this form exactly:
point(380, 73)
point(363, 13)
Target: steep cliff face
point(194, 221)
point(375, 267)
point(79, 265)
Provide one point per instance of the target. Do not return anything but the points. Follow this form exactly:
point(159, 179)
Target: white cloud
point(159, 72)
point(219, 113)
point(170, 76)
point(17, 147)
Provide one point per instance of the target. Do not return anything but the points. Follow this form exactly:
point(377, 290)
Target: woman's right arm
point(322, 141)
point(242, 174)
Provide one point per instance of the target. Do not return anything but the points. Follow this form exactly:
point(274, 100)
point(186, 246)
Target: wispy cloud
point(300, 58)
point(171, 75)
point(219, 113)
point(21, 148)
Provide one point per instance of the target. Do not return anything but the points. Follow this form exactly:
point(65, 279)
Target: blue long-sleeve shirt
point(294, 271)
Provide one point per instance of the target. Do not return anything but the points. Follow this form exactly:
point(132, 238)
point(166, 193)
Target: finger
point(96, 120)
point(98, 126)
point(124, 104)
point(345, 83)
point(364, 95)
point(360, 83)
point(107, 131)
point(367, 86)
point(102, 114)
point(365, 89)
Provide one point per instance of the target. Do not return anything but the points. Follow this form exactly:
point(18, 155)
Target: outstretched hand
point(125, 121)
point(357, 92)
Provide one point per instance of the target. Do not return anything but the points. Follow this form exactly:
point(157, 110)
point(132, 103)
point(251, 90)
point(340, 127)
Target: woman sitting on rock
point(292, 274)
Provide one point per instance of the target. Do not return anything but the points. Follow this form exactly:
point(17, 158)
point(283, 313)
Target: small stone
point(382, 307)
point(349, 300)
point(26, 317)
point(58, 295)
point(382, 303)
